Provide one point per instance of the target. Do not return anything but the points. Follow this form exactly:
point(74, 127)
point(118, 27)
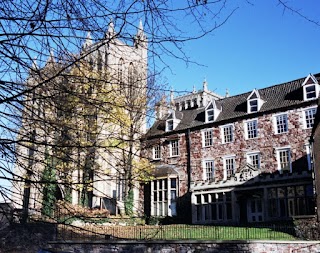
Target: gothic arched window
point(106, 59)
point(99, 61)
point(91, 62)
point(130, 74)
point(120, 71)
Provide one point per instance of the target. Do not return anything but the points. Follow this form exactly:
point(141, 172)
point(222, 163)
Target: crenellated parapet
point(249, 178)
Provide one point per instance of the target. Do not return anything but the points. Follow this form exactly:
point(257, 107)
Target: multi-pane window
point(290, 201)
point(164, 195)
point(209, 170)
point(211, 207)
point(229, 167)
point(309, 117)
point(253, 105)
point(284, 159)
point(217, 206)
point(173, 188)
point(131, 76)
point(310, 91)
point(160, 197)
point(207, 138)
point(169, 124)
point(156, 152)
point(198, 208)
point(210, 113)
point(281, 123)
point(254, 159)
point(252, 129)
point(227, 133)
point(174, 148)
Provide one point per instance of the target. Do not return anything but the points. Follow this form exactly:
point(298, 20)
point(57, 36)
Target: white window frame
point(225, 161)
point(222, 129)
point(204, 133)
point(249, 159)
point(172, 147)
point(256, 99)
point(276, 126)
point(171, 122)
point(156, 152)
point(305, 93)
point(208, 172)
point(250, 106)
point(169, 125)
point(278, 152)
point(211, 110)
point(246, 131)
point(305, 124)
point(167, 196)
point(306, 84)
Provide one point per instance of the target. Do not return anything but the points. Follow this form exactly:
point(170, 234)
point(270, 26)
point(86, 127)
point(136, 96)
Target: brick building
point(237, 159)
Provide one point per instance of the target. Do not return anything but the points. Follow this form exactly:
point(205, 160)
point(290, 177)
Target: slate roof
point(276, 98)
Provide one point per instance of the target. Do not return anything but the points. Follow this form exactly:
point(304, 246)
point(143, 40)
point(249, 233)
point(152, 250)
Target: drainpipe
point(314, 177)
point(188, 142)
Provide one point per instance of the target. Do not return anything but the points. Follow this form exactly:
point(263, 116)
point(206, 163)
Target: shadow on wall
point(251, 197)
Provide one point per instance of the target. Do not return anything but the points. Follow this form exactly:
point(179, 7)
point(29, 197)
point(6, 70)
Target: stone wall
point(38, 238)
point(26, 238)
point(187, 247)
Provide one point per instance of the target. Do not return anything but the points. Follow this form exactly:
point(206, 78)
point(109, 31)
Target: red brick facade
point(291, 187)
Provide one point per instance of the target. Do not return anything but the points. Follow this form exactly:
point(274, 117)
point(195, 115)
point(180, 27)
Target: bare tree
point(62, 115)
point(50, 129)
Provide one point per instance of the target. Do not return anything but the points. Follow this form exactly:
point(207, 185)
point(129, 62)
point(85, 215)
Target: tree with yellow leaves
point(101, 116)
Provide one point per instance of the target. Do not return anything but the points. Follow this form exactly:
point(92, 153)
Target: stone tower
point(125, 67)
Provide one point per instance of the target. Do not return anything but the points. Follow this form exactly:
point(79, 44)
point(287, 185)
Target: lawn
point(189, 232)
point(177, 232)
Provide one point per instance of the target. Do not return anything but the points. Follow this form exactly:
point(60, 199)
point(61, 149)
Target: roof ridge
point(269, 87)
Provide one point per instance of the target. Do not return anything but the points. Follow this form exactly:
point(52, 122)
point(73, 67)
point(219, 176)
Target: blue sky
point(260, 45)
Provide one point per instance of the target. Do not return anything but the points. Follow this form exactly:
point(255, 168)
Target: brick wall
point(266, 143)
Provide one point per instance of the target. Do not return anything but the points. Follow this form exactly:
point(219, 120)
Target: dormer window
point(310, 88)
point(310, 92)
point(254, 102)
point(169, 124)
point(172, 121)
point(253, 105)
point(212, 111)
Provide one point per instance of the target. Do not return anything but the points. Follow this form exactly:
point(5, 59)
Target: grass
point(177, 232)
point(189, 232)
